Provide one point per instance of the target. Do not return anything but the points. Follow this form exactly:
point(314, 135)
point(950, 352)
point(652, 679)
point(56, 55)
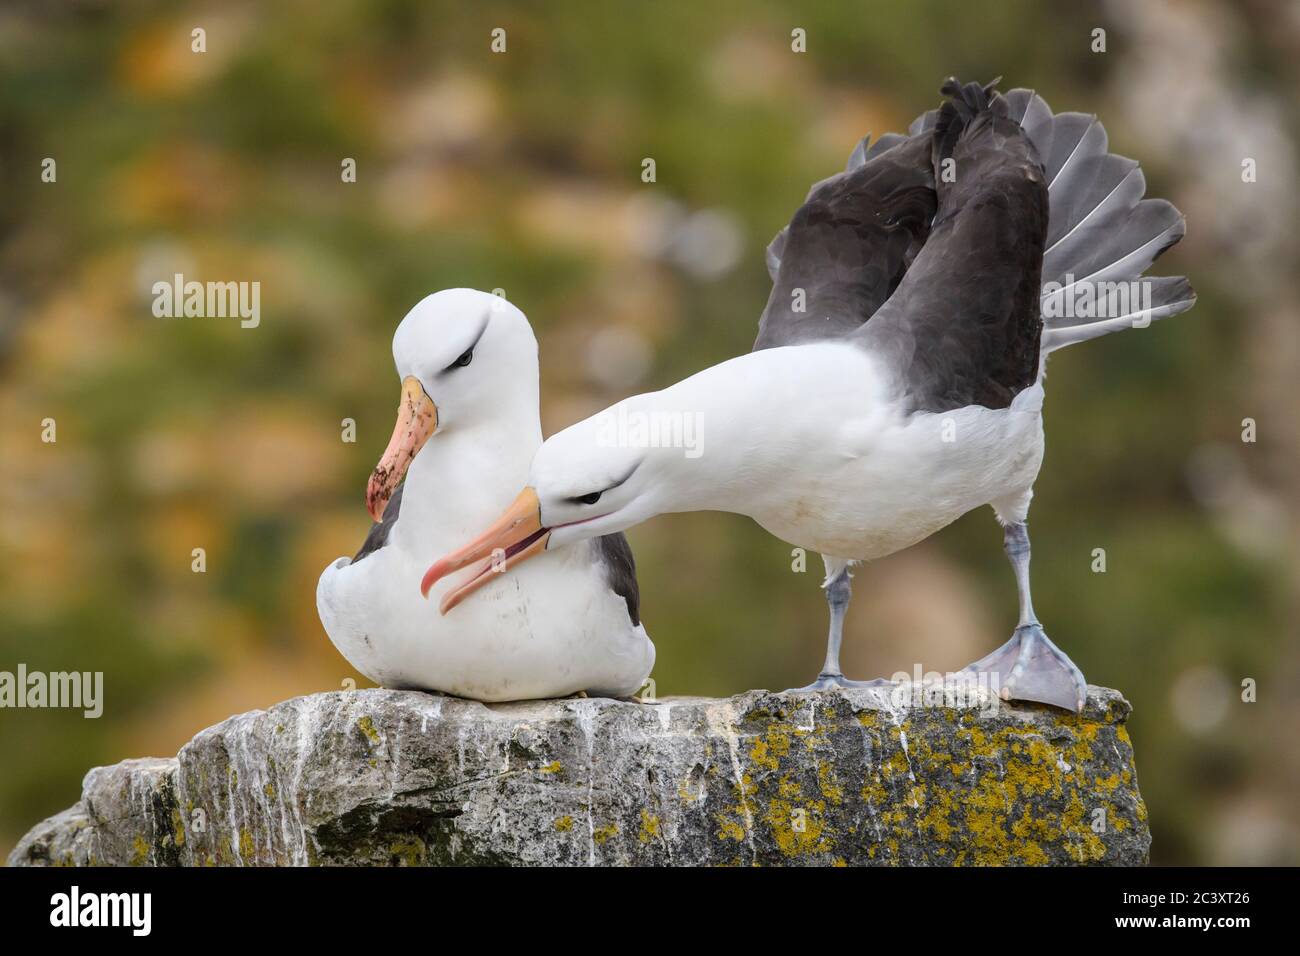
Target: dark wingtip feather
point(974, 96)
point(965, 102)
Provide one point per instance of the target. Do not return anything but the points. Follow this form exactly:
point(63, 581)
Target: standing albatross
point(467, 427)
point(897, 379)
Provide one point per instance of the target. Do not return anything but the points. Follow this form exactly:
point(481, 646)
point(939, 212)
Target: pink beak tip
point(432, 576)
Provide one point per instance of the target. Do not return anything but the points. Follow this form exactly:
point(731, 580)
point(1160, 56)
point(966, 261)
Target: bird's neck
point(462, 479)
point(763, 417)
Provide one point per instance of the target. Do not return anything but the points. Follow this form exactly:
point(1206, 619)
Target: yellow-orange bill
point(417, 419)
point(513, 538)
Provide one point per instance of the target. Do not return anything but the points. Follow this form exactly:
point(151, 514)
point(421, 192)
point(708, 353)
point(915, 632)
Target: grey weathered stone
point(400, 777)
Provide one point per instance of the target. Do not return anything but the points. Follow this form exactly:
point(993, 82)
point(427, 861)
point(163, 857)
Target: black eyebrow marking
point(487, 317)
point(624, 479)
point(577, 499)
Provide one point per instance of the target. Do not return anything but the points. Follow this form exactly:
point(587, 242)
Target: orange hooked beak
point(512, 539)
point(417, 419)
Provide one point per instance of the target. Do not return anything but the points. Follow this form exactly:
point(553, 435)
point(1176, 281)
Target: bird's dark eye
point(590, 499)
point(465, 358)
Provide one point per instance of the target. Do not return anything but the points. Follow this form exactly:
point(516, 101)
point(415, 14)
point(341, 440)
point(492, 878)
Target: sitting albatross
point(467, 427)
point(897, 379)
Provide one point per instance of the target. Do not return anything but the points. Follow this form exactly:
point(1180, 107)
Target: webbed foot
point(1031, 667)
point(826, 681)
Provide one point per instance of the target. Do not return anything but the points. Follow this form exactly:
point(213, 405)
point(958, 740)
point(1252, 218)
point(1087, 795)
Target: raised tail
point(1101, 234)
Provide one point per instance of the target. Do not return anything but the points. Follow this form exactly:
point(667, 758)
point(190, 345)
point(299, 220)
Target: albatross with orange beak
point(897, 381)
point(467, 427)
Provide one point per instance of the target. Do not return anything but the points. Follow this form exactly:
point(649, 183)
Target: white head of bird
point(466, 360)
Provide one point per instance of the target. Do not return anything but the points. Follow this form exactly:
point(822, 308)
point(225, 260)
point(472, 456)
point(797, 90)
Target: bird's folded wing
point(849, 244)
point(963, 326)
point(380, 530)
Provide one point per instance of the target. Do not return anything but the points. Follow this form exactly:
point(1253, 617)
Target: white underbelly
point(550, 628)
point(879, 488)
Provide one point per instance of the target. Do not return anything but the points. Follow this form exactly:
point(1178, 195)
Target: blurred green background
point(521, 171)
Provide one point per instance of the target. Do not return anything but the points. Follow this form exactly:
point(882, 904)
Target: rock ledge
point(381, 777)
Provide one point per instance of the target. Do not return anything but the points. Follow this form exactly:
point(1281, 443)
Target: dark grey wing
point(847, 247)
point(865, 150)
point(963, 327)
point(380, 530)
point(620, 571)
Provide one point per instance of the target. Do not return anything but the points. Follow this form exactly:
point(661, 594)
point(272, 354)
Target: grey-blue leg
point(1029, 666)
point(839, 591)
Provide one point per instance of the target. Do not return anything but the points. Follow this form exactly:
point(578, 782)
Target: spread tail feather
point(1102, 234)
point(1132, 305)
